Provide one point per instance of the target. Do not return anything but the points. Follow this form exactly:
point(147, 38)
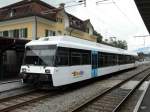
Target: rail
point(109, 90)
point(22, 99)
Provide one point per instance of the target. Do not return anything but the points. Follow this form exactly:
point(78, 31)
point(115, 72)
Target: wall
point(43, 24)
point(80, 34)
point(18, 24)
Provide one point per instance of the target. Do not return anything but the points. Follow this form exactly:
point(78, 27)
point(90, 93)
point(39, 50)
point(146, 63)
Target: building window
point(12, 13)
point(1, 33)
point(49, 33)
point(18, 33)
point(10, 33)
point(5, 33)
point(23, 33)
point(59, 20)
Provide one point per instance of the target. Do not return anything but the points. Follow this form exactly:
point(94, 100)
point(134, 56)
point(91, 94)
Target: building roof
point(24, 2)
point(26, 8)
point(144, 9)
point(78, 23)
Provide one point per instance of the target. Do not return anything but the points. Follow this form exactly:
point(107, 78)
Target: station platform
point(145, 104)
point(9, 80)
point(6, 85)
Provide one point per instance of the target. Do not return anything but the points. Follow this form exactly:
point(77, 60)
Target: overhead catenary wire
point(124, 14)
point(101, 1)
point(113, 2)
point(73, 5)
point(143, 36)
point(68, 2)
point(80, 2)
point(106, 3)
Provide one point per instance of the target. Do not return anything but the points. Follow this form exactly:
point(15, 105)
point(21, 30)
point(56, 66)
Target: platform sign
point(94, 57)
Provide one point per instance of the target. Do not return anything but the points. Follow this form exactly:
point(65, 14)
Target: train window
point(114, 59)
point(76, 58)
point(124, 59)
point(128, 59)
point(110, 59)
point(40, 55)
point(62, 58)
point(121, 59)
point(132, 59)
point(85, 58)
point(105, 59)
point(101, 60)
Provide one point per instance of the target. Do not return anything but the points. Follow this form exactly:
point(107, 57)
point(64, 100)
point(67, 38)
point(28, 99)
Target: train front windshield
point(40, 55)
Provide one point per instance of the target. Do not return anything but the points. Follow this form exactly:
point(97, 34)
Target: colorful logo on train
point(77, 73)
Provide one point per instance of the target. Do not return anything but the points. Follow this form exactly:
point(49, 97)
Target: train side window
point(114, 59)
point(102, 59)
point(85, 58)
point(129, 59)
point(110, 58)
point(76, 58)
point(121, 59)
point(106, 59)
point(62, 58)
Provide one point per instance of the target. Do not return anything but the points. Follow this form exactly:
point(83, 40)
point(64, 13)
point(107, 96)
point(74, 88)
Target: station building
point(29, 20)
point(33, 19)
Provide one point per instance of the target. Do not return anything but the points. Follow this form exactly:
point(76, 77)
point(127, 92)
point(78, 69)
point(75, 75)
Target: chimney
point(62, 5)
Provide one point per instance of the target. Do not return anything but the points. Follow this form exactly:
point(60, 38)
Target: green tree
point(122, 44)
point(99, 36)
point(117, 43)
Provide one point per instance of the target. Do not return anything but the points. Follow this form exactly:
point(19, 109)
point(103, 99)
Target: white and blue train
point(62, 60)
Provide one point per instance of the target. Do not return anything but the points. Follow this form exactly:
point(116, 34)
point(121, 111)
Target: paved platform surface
point(10, 84)
point(145, 105)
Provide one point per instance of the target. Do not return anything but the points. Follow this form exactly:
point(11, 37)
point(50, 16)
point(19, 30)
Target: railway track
point(111, 99)
point(14, 102)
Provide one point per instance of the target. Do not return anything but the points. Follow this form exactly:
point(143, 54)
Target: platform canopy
point(144, 9)
point(12, 43)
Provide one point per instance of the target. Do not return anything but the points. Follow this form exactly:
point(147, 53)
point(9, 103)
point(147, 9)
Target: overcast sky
point(121, 20)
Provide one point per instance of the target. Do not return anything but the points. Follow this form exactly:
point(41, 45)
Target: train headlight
point(24, 70)
point(47, 71)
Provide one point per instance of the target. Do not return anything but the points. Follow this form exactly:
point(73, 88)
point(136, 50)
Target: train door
point(94, 59)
